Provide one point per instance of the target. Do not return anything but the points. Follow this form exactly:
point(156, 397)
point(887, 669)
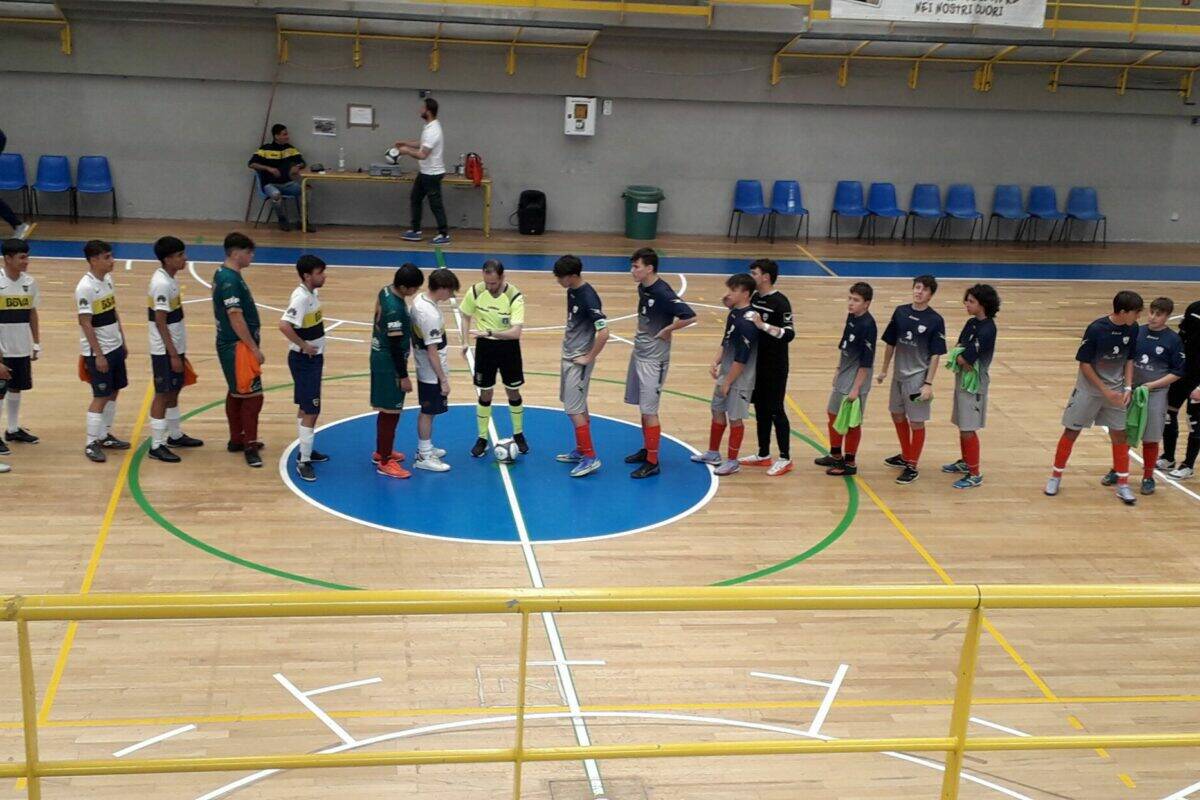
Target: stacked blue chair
point(93, 176)
point(847, 202)
point(1043, 205)
point(881, 203)
point(54, 177)
point(787, 202)
point(960, 204)
point(1006, 205)
point(12, 178)
point(747, 199)
point(926, 203)
point(1083, 204)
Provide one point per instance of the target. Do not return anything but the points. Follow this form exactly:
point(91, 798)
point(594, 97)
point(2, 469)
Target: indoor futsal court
point(182, 623)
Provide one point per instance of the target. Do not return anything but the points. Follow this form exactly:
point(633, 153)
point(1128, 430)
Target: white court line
point(815, 728)
point(335, 325)
point(346, 339)
point(620, 339)
point(133, 748)
point(595, 663)
point(1000, 728)
point(228, 788)
point(1183, 793)
point(790, 679)
point(317, 711)
point(128, 264)
point(338, 686)
point(565, 679)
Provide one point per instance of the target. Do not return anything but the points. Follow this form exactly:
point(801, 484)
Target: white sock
point(109, 414)
point(95, 426)
point(173, 423)
point(424, 447)
point(158, 432)
point(13, 404)
point(306, 441)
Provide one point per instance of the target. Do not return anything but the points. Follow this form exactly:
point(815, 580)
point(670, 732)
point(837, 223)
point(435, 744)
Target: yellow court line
point(1025, 667)
point(816, 260)
point(1128, 781)
point(89, 575)
point(732, 705)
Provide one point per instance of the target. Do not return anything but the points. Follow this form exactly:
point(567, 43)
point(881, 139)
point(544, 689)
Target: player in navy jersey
point(584, 336)
point(1103, 389)
point(916, 335)
point(851, 379)
point(969, 414)
point(773, 318)
point(733, 370)
point(1157, 364)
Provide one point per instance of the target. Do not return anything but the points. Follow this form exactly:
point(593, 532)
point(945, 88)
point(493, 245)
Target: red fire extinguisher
point(473, 168)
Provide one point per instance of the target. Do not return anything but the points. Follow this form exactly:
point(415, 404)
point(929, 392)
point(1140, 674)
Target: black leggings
point(6, 214)
point(768, 411)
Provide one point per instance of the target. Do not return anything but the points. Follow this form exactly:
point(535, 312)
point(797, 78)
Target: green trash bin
point(641, 211)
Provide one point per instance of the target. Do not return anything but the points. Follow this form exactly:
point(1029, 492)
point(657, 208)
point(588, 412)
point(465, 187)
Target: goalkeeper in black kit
point(774, 320)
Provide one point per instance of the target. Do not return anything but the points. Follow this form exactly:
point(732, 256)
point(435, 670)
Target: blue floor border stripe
point(531, 262)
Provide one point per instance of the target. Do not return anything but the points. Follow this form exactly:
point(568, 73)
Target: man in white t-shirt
point(432, 167)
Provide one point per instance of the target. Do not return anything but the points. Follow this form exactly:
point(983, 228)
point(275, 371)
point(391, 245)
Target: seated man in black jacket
point(278, 165)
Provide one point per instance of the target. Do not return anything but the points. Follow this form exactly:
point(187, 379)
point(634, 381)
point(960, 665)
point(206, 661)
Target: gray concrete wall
point(179, 107)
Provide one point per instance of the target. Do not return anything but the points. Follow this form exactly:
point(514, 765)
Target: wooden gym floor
point(211, 524)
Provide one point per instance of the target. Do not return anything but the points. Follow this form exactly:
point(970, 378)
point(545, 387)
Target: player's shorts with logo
point(105, 383)
point(306, 378)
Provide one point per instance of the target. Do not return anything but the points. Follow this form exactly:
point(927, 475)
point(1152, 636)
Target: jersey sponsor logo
point(18, 302)
point(104, 304)
point(232, 301)
point(395, 325)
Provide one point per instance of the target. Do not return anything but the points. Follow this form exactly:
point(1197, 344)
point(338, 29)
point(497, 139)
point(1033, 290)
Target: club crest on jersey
point(1124, 340)
point(650, 302)
point(1158, 350)
point(574, 309)
point(921, 329)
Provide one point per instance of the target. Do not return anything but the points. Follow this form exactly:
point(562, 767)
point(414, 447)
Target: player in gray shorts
point(660, 314)
point(733, 370)
point(584, 336)
point(1103, 389)
point(969, 414)
point(852, 380)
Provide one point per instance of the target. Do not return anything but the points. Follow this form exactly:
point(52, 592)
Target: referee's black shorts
point(498, 355)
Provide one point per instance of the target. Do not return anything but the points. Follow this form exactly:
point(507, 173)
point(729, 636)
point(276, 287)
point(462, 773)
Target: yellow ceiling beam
point(64, 26)
point(914, 73)
point(1057, 73)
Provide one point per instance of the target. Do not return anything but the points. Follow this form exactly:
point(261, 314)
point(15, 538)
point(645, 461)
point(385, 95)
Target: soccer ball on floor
point(392, 156)
point(506, 451)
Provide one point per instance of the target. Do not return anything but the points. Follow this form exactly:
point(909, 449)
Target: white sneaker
point(780, 467)
point(712, 458)
point(432, 463)
point(22, 230)
point(5, 468)
point(1052, 486)
point(1164, 465)
point(728, 467)
point(1182, 473)
point(438, 452)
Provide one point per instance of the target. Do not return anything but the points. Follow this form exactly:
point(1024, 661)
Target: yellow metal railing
point(973, 599)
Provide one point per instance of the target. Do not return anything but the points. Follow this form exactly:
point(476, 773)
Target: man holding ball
point(431, 170)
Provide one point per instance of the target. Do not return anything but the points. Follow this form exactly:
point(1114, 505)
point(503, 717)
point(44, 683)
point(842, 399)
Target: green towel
point(848, 416)
point(968, 378)
point(1135, 416)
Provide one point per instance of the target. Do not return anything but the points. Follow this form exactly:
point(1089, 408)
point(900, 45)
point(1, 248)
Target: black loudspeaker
point(531, 212)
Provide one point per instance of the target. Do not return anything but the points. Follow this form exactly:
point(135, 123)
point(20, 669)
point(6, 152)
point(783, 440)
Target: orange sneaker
point(392, 469)
point(780, 467)
point(396, 456)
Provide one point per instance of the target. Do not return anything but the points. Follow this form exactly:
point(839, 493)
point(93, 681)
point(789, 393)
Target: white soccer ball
point(392, 156)
point(506, 451)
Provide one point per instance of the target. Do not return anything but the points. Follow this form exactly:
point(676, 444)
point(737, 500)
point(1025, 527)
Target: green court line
point(135, 489)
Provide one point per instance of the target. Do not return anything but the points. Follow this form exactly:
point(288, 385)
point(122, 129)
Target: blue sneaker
point(411, 236)
point(573, 457)
point(585, 467)
point(441, 238)
point(968, 482)
point(957, 468)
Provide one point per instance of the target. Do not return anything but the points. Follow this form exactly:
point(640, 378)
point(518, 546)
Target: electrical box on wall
point(581, 116)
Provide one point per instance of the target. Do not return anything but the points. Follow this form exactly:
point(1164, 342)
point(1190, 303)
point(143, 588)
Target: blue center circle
point(478, 500)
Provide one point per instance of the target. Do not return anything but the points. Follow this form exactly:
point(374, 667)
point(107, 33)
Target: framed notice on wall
point(1010, 13)
point(360, 116)
point(324, 126)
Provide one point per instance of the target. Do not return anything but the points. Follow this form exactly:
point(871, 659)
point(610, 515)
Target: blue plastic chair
point(1006, 205)
point(847, 202)
point(54, 177)
point(1083, 204)
point(960, 204)
point(12, 177)
point(881, 202)
point(786, 201)
point(926, 203)
point(94, 176)
point(1043, 205)
point(747, 199)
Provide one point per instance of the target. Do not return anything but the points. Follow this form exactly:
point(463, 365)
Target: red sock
point(736, 433)
point(1150, 456)
point(385, 434)
point(250, 408)
point(835, 438)
point(1062, 454)
point(1121, 463)
point(716, 431)
point(651, 434)
point(233, 415)
point(915, 446)
point(904, 435)
point(853, 437)
point(583, 440)
point(970, 451)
